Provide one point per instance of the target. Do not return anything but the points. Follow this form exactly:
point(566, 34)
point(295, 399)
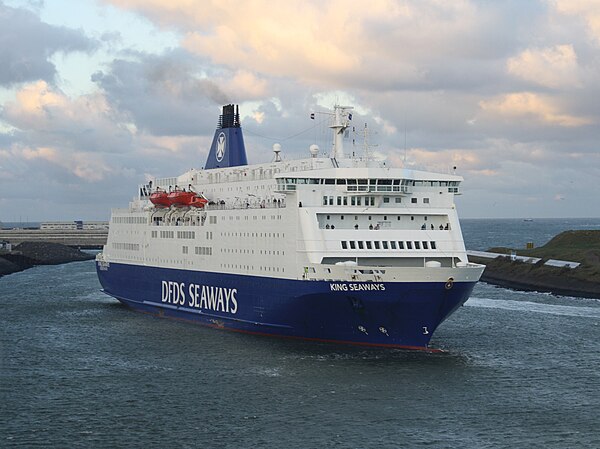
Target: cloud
point(174, 93)
point(46, 117)
point(506, 97)
point(587, 10)
point(28, 44)
point(529, 105)
point(551, 67)
point(88, 167)
point(331, 44)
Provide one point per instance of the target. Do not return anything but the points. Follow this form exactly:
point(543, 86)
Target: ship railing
point(263, 204)
point(349, 271)
point(282, 187)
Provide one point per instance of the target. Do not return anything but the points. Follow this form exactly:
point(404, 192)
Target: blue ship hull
point(390, 314)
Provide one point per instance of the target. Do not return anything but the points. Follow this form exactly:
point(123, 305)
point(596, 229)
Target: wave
point(535, 307)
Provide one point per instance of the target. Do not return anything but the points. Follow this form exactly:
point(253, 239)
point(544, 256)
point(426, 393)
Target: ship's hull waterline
point(386, 314)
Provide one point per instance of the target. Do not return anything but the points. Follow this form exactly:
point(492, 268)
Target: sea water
point(77, 369)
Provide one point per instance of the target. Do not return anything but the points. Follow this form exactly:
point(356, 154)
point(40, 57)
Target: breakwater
point(77, 238)
point(577, 274)
point(28, 254)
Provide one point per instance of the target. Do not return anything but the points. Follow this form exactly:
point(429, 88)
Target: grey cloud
point(163, 94)
point(27, 44)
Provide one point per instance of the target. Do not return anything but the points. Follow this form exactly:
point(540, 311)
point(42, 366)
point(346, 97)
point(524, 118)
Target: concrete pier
point(77, 238)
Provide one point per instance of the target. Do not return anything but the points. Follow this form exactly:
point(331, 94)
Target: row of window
point(253, 234)
point(186, 235)
point(251, 267)
point(251, 251)
point(393, 245)
point(180, 234)
point(378, 217)
point(198, 250)
point(363, 200)
point(127, 246)
point(354, 200)
point(372, 182)
point(130, 220)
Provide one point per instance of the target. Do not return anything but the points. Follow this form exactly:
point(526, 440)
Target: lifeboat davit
point(180, 198)
point(160, 198)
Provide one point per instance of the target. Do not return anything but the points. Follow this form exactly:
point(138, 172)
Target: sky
point(98, 96)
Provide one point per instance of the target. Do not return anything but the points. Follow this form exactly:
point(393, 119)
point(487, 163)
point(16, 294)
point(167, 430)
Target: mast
point(341, 121)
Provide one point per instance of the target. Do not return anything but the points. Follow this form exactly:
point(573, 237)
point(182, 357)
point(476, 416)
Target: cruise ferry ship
point(332, 248)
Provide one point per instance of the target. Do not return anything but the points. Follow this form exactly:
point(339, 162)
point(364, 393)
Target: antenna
point(404, 163)
point(366, 133)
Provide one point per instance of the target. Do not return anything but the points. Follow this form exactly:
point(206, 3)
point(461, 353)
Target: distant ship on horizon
point(326, 248)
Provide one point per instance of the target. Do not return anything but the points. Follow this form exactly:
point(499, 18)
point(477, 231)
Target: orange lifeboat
point(180, 198)
point(160, 198)
point(198, 201)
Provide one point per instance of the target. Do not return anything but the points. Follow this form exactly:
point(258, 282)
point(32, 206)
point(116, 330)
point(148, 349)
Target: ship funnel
point(227, 149)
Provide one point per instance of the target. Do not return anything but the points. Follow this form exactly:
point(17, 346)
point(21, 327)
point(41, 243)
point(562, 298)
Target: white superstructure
point(335, 218)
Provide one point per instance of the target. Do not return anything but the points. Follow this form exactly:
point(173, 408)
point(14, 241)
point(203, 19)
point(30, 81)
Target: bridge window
point(432, 245)
point(361, 245)
point(413, 200)
point(408, 245)
point(385, 245)
point(393, 245)
point(352, 245)
point(344, 245)
point(376, 245)
point(425, 246)
point(400, 245)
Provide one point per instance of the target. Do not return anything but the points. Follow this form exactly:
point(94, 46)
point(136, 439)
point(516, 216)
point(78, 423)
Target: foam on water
point(535, 307)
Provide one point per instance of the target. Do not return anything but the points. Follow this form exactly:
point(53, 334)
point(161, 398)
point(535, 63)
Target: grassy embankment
point(576, 246)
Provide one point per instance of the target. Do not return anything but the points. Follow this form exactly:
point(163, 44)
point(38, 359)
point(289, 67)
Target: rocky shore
point(576, 246)
point(28, 254)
